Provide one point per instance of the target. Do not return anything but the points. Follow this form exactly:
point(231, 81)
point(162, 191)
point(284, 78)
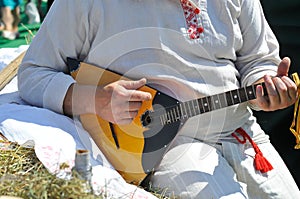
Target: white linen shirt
point(149, 39)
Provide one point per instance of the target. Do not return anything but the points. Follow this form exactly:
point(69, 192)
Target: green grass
point(26, 30)
point(26, 33)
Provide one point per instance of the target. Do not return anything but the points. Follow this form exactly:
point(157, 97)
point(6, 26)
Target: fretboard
point(184, 110)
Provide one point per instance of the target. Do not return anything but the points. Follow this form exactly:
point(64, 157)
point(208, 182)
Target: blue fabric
point(10, 3)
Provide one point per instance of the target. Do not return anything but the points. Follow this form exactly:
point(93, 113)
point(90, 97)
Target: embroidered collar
point(193, 19)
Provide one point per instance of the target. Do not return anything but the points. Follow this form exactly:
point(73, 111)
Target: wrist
point(80, 99)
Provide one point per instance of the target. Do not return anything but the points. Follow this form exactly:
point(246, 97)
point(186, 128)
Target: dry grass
point(23, 175)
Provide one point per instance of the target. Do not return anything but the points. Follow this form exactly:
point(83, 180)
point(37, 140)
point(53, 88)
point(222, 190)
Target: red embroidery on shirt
point(191, 12)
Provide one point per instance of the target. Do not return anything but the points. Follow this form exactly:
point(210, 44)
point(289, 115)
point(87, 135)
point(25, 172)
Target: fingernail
point(149, 96)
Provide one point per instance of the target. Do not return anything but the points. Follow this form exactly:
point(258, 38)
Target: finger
point(283, 67)
point(134, 106)
point(123, 121)
point(291, 87)
point(260, 97)
point(133, 85)
point(272, 99)
point(132, 114)
point(270, 86)
point(126, 117)
point(137, 95)
point(282, 91)
point(127, 111)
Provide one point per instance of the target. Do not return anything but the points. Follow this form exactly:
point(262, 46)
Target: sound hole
point(146, 118)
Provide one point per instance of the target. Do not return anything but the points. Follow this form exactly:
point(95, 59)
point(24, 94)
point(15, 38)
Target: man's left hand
point(281, 90)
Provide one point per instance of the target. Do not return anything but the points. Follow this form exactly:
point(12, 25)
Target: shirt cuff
point(257, 74)
point(55, 92)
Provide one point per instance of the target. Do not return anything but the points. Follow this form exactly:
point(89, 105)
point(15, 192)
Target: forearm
point(80, 99)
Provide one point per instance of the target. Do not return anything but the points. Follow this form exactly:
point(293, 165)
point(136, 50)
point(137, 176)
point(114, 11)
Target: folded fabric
point(11, 98)
point(9, 54)
point(56, 139)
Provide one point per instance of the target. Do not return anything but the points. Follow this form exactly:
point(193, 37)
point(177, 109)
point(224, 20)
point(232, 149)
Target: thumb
point(283, 67)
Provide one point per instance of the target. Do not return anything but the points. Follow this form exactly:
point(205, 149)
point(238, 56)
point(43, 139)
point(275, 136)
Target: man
point(187, 50)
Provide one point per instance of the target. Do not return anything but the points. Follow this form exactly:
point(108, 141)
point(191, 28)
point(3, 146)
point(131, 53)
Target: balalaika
point(137, 148)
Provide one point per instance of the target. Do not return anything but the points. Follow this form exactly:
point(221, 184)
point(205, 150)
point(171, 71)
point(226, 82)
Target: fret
point(172, 116)
point(181, 109)
point(189, 109)
point(250, 90)
point(186, 114)
point(210, 103)
point(197, 108)
point(201, 106)
point(216, 101)
point(175, 115)
point(206, 105)
point(243, 95)
point(235, 96)
point(162, 120)
point(194, 107)
point(222, 99)
point(229, 98)
point(178, 113)
point(168, 118)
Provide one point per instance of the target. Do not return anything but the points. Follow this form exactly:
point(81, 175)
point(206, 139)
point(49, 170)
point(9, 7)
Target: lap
point(197, 170)
point(193, 169)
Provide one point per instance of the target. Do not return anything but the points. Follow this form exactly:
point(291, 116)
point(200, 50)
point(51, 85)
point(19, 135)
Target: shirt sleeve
point(43, 78)
point(259, 54)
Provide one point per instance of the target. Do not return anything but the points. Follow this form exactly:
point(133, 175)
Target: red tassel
point(260, 162)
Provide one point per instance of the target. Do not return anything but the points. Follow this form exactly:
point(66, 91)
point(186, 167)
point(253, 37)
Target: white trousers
point(193, 169)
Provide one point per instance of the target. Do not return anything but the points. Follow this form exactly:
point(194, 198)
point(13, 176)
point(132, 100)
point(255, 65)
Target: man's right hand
point(117, 102)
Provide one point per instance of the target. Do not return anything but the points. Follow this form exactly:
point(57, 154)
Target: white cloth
point(193, 169)
point(56, 139)
point(8, 54)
